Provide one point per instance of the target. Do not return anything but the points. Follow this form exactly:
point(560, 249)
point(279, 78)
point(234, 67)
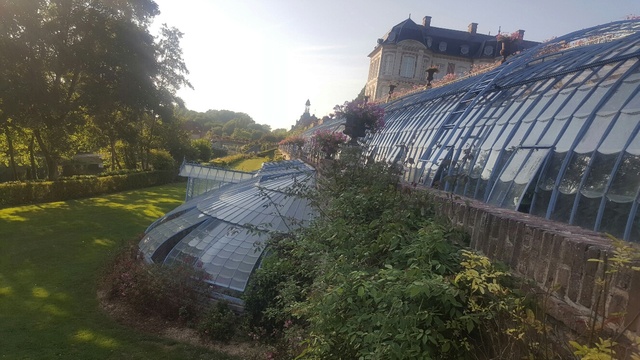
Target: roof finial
point(409, 15)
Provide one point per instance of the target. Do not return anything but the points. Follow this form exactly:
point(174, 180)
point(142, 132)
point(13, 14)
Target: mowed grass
point(51, 256)
point(250, 164)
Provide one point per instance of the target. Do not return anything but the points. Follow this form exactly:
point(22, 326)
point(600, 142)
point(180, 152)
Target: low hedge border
point(33, 192)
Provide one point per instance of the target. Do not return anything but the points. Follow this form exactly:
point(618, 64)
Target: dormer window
point(464, 49)
point(429, 42)
point(488, 50)
point(442, 46)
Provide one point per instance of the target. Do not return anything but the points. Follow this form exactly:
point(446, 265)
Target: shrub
point(218, 153)
point(21, 193)
point(218, 322)
point(203, 149)
point(162, 160)
point(229, 160)
point(171, 292)
point(378, 276)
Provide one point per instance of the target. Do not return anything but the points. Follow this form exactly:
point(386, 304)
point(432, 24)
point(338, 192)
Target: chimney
point(521, 34)
point(426, 21)
point(473, 28)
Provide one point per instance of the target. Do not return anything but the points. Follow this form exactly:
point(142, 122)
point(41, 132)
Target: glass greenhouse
point(222, 231)
point(553, 132)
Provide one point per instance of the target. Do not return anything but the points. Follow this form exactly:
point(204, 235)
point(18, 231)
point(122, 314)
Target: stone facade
point(401, 58)
point(558, 258)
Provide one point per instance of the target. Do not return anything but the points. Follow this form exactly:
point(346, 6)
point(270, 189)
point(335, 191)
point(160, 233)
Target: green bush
point(229, 160)
point(21, 193)
point(377, 276)
point(203, 148)
point(170, 292)
point(162, 160)
point(218, 153)
point(218, 322)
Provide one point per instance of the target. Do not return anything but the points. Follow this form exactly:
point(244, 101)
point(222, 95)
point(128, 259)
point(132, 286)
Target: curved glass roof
point(222, 231)
point(554, 132)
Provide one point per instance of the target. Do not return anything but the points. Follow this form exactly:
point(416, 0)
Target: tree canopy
point(80, 74)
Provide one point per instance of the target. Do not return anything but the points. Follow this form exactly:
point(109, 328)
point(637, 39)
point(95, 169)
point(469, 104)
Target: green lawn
point(251, 164)
point(50, 257)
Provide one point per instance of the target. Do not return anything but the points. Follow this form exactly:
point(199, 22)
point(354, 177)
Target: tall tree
point(66, 62)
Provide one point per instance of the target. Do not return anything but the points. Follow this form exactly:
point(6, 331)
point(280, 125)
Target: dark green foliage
point(218, 153)
point(21, 193)
point(87, 75)
point(218, 322)
point(203, 149)
point(374, 277)
point(162, 160)
point(171, 292)
point(228, 161)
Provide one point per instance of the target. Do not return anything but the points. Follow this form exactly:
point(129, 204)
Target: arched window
point(408, 67)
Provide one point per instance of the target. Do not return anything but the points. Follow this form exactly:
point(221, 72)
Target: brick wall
point(553, 255)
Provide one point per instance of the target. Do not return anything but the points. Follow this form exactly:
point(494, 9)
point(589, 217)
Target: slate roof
point(479, 45)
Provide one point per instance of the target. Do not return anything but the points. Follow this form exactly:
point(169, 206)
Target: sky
point(266, 58)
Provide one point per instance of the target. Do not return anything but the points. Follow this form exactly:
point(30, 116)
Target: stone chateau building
point(401, 58)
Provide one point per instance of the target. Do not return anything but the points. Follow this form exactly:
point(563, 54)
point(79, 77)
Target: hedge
point(22, 193)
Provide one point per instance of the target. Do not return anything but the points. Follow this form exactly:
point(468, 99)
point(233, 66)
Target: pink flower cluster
point(514, 36)
point(293, 140)
point(327, 141)
point(370, 114)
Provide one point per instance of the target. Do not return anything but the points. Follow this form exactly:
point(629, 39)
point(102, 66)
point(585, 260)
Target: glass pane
point(481, 159)
point(518, 136)
point(541, 204)
point(587, 212)
point(614, 218)
point(634, 104)
point(599, 175)
point(573, 175)
point(551, 135)
point(506, 133)
point(591, 139)
point(619, 97)
point(569, 135)
point(514, 166)
point(618, 135)
point(550, 111)
point(588, 106)
point(490, 165)
point(573, 103)
point(491, 137)
point(531, 166)
point(635, 228)
point(564, 205)
point(634, 146)
point(513, 197)
point(482, 187)
point(548, 179)
point(498, 193)
point(626, 181)
point(470, 187)
point(534, 134)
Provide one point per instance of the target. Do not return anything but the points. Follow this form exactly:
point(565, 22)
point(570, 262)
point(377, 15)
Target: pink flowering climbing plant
point(327, 141)
point(370, 114)
point(503, 37)
point(293, 140)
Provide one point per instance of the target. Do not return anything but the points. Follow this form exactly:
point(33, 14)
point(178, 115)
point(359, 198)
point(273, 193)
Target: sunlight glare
point(40, 292)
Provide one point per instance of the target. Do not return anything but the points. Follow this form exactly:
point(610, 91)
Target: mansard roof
point(477, 45)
